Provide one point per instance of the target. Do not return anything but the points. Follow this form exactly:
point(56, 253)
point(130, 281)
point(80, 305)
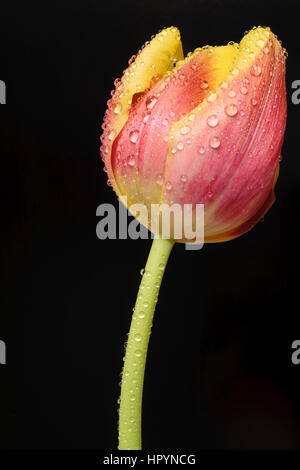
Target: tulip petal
point(157, 57)
point(229, 158)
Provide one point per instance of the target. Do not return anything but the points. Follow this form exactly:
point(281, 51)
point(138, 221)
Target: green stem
point(130, 412)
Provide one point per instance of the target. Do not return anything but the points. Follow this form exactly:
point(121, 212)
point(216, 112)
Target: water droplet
point(150, 102)
point(201, 150)
point(231, 110)
point(117, 108)
point(168, 186)
point(159, 179)
point(146, 304)
point(254, 102)
point(132, 397)
point(255, 70)
point(212, 120)
point(244, 90)
point(215, 142)
point(138, 353)
point(183, 178)
point(141, 315)
point(165, 122)
point(111, 135)
point(133, 136)
point(180, 145)
point(131, 160)
point(132, 419)
point(142, 271)
point(138, 338)
point(185, 130)
point(231, 94)
point(204, 85)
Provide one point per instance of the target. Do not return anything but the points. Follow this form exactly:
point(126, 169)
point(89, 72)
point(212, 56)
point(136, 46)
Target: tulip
point(205, 129)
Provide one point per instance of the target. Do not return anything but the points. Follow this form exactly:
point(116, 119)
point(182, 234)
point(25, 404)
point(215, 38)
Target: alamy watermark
point(296, 93)
point(170, 221)
point(2, 92)
point(2, 352)
point(296, 354)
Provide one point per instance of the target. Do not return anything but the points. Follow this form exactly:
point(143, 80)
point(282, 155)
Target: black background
point(219, 371)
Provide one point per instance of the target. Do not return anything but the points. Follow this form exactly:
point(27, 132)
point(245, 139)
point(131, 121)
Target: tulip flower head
point(205, 129)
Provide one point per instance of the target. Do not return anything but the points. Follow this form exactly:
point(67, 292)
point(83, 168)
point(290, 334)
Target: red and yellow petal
point(228, 159)
point(155, 59)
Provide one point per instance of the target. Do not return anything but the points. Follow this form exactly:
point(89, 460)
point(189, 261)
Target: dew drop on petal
point(255, 70)
point(165, 122)
point(231, 110)
point(159, 179)
point(185, 130)
point(215, 142)
point(150, 102)
point(254, 102)
point(244, 90)
point(133, 136)
point(231, 94)
point(204, 85)
point(131, 160)
point(201, 150)
point(117, 108)
point(212, 120)
point(180, 145)
point(168, 186)
point(183, 178)
point(111, 135)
